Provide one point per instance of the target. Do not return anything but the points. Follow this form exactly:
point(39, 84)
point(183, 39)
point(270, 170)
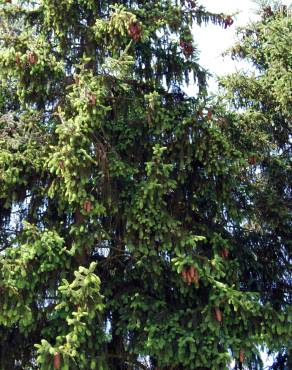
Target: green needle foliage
point(140, 228)
point(263, 128)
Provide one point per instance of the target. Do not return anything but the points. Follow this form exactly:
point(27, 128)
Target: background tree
point(263, 98)
point(123, 200)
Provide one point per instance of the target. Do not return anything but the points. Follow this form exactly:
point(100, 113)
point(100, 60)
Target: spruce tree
point(262, 98)
point(121, 197)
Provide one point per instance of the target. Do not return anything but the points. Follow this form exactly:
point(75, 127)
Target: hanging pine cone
point(57, 361)
point(218, 314)
point(135, 31)
point(32, 58)
point(252, 160)
point(228, 21)
point(187, 48)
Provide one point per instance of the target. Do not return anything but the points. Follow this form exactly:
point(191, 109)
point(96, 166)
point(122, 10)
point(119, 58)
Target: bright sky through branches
point(213, 40)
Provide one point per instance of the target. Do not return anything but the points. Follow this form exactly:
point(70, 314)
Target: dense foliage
point(263, 96)
point(140, 227)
